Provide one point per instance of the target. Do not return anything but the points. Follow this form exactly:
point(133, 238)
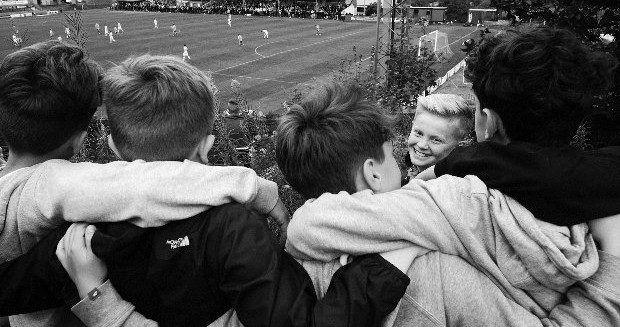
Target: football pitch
point(268, 69)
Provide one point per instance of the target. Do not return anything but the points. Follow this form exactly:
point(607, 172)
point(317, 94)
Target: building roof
point(483, 9)
point(415, 7)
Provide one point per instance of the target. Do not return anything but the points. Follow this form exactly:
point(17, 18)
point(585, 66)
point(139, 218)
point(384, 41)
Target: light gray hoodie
point(532, 262)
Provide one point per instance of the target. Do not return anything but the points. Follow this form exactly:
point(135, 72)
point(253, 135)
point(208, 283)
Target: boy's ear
point(113, 147)
point(369, 178)
point(204, 147)
point(494, 127)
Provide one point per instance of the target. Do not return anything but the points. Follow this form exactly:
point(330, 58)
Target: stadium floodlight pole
point(377, 49)
point(393, 23)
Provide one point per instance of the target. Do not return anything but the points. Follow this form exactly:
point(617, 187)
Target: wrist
point(85, 288)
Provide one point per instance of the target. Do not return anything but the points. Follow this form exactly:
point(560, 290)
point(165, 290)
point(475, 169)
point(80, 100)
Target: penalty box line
point(262, 79)
point(285, 51)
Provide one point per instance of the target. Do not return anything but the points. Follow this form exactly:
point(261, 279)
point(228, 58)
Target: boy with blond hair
point(332, 142)
point(225, 256)
point(441, 123)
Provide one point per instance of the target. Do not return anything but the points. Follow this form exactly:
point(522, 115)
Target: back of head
point(48, 92)
point(159, 107)
point(449, 106)
point(322, 142)
point(540, 82)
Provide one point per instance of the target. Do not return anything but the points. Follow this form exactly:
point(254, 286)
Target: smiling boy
point(441, 123)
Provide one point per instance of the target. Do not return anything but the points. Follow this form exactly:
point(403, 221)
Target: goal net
point(436, 42)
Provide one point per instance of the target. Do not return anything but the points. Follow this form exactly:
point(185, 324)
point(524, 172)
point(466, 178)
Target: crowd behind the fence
point(298, 10)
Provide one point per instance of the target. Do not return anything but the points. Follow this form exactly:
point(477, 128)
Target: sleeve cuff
point(103, 309)
point(266, 196)
point(386, 267)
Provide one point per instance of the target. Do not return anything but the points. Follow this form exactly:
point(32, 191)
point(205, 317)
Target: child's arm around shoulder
point(100, 304)
point(427, 174)
point(145, 193)
point(364, 222)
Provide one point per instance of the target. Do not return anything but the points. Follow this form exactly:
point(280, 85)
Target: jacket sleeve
point(37, 281)
point(361, 293)
point(267, 287)
point(335, 224)
point(146, 194)
point(563, 186)
point(34, 281)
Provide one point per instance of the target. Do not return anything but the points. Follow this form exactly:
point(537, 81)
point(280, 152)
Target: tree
point(457, 10)
point(371, 9)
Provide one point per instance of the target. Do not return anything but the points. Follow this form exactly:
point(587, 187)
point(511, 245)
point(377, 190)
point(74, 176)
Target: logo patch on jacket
point(181, 241)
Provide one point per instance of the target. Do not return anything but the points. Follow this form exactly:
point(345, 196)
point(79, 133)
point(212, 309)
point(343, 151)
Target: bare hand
point(281, 216)
point(75, 254)
point(427, 174)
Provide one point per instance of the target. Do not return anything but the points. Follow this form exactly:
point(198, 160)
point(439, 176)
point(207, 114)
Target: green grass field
point(267, 68)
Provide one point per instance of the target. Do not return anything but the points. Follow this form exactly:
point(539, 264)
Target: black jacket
point(190, 272)
point(564, 186)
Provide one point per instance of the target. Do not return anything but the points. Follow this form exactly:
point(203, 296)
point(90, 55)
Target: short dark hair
point(322, 142)
point(48, 92)
point(540, 82)
point(159, 107)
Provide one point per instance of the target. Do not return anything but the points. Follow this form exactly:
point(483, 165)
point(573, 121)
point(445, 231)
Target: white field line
point(286, 51)
point(262, 79)
point(256, 49)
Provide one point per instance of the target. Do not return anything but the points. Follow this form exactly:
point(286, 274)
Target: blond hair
point(450, 106)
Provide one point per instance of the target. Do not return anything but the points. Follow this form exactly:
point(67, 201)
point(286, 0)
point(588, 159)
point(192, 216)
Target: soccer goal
point(437, 42)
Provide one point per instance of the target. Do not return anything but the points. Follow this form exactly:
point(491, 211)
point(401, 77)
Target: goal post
point(437, 42)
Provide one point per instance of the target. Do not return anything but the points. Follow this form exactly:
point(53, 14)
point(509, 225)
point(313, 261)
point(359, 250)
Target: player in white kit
point(185, 53)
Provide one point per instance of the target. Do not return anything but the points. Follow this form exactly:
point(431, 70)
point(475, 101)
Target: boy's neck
point(17, 161)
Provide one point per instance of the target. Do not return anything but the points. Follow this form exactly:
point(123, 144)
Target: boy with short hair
point(42, 190)
point(320, 148)
point(441, 123)
point(144, 87)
